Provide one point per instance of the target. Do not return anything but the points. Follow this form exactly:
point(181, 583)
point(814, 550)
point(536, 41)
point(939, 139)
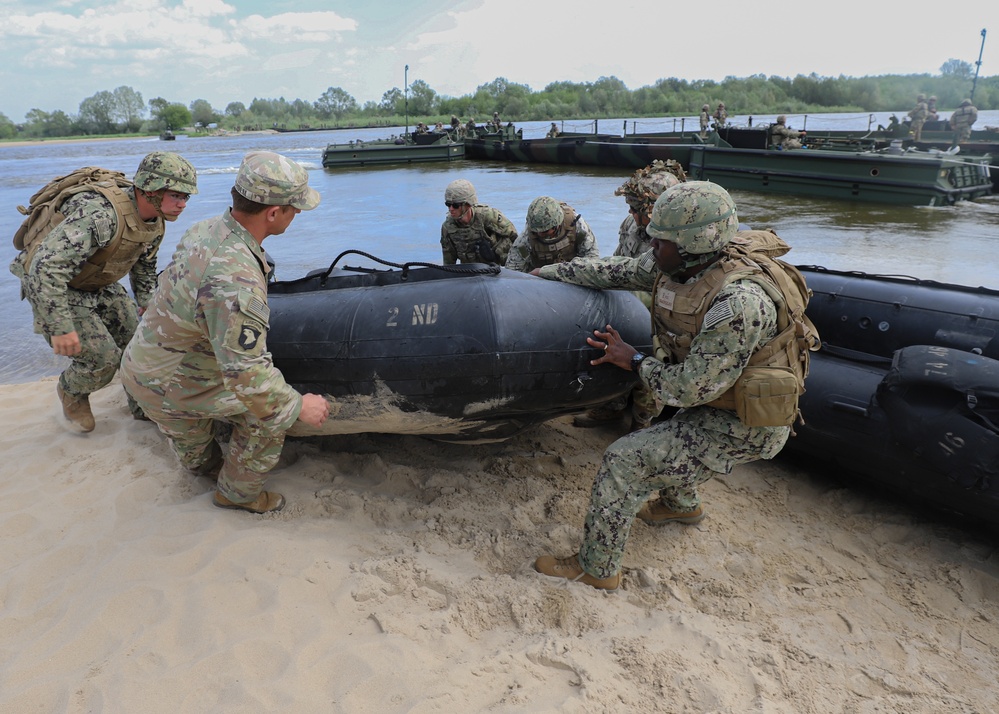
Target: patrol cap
point(275, 180)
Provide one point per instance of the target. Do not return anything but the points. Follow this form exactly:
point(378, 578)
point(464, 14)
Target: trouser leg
point(104, 332)
point(633, 467)
point(254, 449)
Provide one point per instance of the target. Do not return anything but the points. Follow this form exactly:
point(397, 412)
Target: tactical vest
point(679, 309)
point(559, 249)
point(963, 117)
point(109, 264)
point(472, 243)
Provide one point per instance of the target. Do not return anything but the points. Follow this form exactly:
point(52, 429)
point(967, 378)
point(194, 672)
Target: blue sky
point(55, 53)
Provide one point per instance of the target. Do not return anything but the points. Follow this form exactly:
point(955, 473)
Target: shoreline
point(81, 140)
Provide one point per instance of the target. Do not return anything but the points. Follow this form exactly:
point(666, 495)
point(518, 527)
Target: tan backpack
point(43, 212)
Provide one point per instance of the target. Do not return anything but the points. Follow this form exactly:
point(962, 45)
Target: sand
point(399, 579)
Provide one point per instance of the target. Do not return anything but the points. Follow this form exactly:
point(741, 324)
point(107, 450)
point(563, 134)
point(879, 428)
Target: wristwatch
point(636, 361)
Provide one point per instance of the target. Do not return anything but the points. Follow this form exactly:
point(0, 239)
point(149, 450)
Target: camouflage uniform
point(522, 256)
point(962, 119)
point(720, 116)
point(918, 116)
point(705, 120)
point(104, 319)
point(783, 138)
point(200, 353)
point(464, 243)
point(699, 441)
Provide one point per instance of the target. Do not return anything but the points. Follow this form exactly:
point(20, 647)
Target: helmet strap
point(155, 199)
point(692, 261)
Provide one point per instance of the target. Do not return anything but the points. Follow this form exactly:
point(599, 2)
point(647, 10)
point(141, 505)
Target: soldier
point(554, 233)
point(70, 274)
point(931, 109)
point(705, 120)
point(961, 121)
point(553, 132)
point(784, 138)
point(720, 116)
point(200, 354)
point(640, 191)
point(712, 313)
point(917, 115)
point(496, 123)
point(473, 232)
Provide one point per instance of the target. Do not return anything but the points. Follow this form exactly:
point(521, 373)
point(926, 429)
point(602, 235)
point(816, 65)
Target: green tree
point(8, 130)
point(97, 114)
point(957, 69)
point(335, 102)
point(202, 113)
point(128, 108)
point(168, 116)
point(422, 99)
point(235, 109)
point(393, 102)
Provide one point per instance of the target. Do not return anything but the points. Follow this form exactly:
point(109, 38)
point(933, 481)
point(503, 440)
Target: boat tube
point(905, 390)
point(460, 352)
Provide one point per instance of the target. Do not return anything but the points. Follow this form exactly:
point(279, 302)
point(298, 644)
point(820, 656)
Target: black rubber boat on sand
point(461, 353)
point(903, 393)
point(905, 390)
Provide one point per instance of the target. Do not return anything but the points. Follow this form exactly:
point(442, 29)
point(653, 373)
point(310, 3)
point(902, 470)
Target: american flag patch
point(719, 312)
point(253, 306)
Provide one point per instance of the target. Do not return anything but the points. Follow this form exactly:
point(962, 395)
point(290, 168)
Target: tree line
point(123, 111)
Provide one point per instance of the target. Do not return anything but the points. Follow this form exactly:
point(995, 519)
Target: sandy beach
point(399, 579)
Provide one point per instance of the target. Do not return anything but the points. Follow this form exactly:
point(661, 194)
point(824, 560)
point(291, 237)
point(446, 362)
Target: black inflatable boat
point(905, 390)
point(465, 352)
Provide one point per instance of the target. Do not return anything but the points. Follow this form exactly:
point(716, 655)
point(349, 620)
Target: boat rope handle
point(405, 267)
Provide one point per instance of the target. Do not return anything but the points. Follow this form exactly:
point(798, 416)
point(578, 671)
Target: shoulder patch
point(647, 261)
point(720, 311)
point(252, 305)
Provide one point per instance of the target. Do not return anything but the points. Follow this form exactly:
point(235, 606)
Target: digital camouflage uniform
point(104, 319)
point(522, 257)
point(200, 353)
point(699, 441)
point(464, 243)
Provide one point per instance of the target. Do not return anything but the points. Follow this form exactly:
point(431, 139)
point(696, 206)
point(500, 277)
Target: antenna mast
point(978, 66)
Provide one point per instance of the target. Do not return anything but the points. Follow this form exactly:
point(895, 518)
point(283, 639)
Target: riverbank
point(88, 139)
point(398, 578)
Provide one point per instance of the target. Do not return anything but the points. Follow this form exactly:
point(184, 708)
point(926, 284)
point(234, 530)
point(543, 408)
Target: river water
point(395, 213)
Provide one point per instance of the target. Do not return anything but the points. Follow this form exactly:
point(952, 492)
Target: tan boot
point(569, 569)
point(266, 502)
point(656, 513)
point(76, 410)
point(597, 417)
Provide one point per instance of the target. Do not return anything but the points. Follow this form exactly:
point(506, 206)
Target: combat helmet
point(460, 191)
point(698, 216)
point(165, 169)
point(544, 213)
point(647, 184)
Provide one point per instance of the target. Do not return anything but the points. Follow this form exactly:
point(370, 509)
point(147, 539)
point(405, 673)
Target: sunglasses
point(449, 204)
